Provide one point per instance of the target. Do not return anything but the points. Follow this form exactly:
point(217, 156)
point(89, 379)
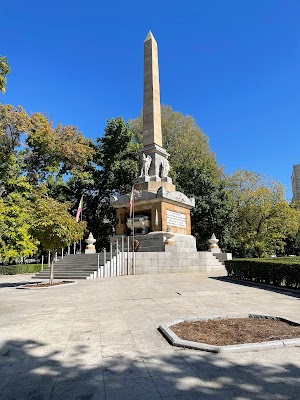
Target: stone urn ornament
point(90, 248)
point(213, 244)
point(169, 236)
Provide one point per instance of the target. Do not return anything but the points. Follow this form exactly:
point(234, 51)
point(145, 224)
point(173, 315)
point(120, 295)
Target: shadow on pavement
point(31, 370)
point(16, 284)
point(276, 289)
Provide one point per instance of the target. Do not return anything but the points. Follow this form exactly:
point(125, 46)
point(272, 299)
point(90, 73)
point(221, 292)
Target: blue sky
point(234, 65)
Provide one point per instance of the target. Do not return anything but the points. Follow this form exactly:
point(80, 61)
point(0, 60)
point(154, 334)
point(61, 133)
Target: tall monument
point(158, 206)
point(162, 222)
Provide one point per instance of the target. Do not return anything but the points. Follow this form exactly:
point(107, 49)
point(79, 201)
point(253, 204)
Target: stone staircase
point(75, 266)
point(180, 257)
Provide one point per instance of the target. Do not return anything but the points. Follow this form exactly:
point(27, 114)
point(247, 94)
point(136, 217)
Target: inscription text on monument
point(176, 219)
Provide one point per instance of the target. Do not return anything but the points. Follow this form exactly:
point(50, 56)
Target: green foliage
point(14, 122)
point(292, 243)
point(16, 239)
point(54, 227)
point(116, 158)
point(196, 173)
point(53, 153)
point(263, 218)
point(52, 224)
point(277, 272)
point(52, 157)
point(4, 71)
point(20, 269)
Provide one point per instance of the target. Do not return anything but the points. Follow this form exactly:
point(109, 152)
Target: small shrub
point(278, 272)
point(20, 269)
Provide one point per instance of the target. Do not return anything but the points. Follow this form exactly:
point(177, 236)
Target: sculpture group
point(146, 163)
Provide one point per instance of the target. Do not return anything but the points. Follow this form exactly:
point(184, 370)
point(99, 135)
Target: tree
point(292, 246)
point(54, 227)
point(264, 219)
point(14, 122)
point(16, 239)
point(116, 160)
point(55, 153)
point(117, 157)
point(4, 71)
point(196, 173)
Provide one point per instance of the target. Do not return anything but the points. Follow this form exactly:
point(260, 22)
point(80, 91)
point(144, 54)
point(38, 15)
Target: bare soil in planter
point(230, 331)
point(47, 284)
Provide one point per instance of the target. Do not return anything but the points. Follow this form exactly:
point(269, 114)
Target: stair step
point(79, 266)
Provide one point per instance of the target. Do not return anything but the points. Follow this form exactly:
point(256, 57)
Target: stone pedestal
point(213, 244)
point(90, 248)
point(158, 209)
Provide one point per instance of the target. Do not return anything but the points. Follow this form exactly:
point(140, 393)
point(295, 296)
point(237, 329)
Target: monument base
point(154, 256)
point(90, 251)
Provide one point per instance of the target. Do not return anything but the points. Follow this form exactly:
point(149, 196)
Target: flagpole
point(81, 219)
point(131, 215)
point(133, 260)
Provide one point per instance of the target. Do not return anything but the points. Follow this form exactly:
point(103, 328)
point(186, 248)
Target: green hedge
point(284, 272)
point(20, 269)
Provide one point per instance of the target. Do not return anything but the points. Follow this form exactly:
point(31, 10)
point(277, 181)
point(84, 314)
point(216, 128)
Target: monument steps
point(75, 266)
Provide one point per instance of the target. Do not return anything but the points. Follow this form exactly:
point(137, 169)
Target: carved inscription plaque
point(176, 219)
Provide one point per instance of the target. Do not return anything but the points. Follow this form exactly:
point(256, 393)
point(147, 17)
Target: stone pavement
point(99, 340)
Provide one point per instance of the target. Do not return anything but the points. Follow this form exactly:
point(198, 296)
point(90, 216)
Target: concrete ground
point(99, 340)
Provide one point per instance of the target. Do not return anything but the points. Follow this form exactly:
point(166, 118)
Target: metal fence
point(119, 261)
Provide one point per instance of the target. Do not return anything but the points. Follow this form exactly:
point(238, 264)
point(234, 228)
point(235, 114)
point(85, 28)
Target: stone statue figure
point(165, 168)
point(146, 165)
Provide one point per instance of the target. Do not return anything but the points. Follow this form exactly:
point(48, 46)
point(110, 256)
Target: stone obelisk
point(151, 111)
point(155, 174)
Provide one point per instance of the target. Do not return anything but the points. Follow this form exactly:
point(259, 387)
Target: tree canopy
point(264, 219)
point(4, 71)
point(55, 151)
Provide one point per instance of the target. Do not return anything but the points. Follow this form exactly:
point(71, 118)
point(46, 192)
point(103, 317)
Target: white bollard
point(128, 243)
point(122, 256)
point(117, 264)
point(104, 262)
point(111, 260)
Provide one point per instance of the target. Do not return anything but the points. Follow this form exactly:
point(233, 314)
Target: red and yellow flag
point(131, 202)
point(79, 210)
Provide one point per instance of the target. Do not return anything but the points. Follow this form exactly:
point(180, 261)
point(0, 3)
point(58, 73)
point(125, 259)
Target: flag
point(131, 202)
point(79, 210)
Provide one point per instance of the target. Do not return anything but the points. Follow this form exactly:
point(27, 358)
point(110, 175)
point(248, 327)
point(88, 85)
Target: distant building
point(296, 182)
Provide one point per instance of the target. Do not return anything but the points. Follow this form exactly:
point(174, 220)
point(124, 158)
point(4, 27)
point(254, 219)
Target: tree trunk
point(51, 279)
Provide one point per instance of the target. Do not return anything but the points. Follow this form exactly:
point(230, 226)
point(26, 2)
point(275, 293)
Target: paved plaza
point(99, 340)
